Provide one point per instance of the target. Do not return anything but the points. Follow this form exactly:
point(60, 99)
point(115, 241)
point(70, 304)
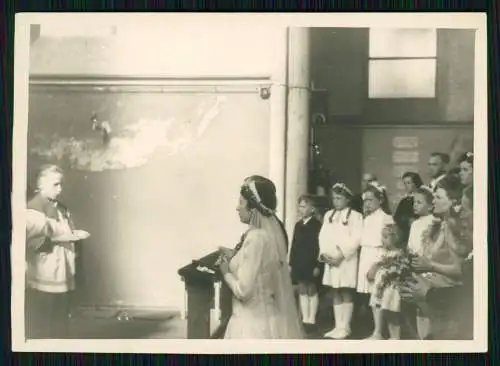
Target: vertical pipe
point(297, 152)
point(277, 137)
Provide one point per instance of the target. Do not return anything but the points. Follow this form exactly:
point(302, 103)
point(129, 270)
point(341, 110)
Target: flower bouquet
point(394, 268)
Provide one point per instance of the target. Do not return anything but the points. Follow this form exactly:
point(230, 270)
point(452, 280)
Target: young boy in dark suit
point(304, 265)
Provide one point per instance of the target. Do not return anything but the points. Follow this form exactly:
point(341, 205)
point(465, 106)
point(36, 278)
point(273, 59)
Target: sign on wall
point(390, 152)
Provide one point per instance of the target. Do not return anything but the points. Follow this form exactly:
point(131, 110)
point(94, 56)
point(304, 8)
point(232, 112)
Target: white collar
point(306, 220)
point(438, 178)
point(427, 217)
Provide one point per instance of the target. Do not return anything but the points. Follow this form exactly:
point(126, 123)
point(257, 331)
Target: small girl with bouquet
point(377, 215)
point(386, 274)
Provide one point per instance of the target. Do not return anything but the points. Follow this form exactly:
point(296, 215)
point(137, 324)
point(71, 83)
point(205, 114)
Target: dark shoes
point(309, 328)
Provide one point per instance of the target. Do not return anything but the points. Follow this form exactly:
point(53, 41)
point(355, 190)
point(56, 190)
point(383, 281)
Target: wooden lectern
point(201, 291)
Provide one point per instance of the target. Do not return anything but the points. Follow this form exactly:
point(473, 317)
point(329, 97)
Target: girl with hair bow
point(377, 216)
point(339, 243)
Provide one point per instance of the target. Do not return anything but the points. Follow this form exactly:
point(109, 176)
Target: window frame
point(402, 58)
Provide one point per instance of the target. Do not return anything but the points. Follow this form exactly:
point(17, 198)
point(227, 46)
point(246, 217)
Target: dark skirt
point(47, 314)
point(306, 275)
point(467, 319)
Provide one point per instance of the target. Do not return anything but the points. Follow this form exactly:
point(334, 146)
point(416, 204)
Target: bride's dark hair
point(266, 191)
point(267, 194)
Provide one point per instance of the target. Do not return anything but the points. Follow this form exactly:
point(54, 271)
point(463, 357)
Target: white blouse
point(372, 228)
point(416, 230)
point(335, 234)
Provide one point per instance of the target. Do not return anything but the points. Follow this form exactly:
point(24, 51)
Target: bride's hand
point(224, 265)
point(226, 252)
point(323, 258)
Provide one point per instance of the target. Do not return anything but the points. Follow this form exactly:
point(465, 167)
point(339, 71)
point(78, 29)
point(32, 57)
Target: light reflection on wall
point(154, 216)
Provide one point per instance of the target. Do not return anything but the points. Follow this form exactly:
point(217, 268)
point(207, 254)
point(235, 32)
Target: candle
point(217, 286)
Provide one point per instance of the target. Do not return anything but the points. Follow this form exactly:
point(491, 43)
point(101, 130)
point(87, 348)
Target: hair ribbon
point(343, 187)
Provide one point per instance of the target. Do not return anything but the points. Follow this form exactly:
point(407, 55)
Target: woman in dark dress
point(304, 265)
point(404, 215)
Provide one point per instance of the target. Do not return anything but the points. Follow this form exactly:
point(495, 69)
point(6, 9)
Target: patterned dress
point(449, 246)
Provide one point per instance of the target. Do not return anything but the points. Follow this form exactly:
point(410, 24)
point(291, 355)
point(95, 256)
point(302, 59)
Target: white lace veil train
point(289, 325)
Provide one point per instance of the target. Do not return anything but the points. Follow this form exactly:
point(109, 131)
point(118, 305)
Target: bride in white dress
point(257, 273)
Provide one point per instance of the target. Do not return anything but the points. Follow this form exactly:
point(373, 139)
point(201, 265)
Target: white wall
point(177, 50)
point(151, 48)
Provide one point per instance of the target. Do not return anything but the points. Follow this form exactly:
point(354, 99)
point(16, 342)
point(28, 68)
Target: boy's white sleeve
point(37, 229)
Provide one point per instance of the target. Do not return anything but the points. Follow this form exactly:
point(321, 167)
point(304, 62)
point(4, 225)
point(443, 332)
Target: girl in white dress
point(339, 242)
point(422, 206)
point(377, 216)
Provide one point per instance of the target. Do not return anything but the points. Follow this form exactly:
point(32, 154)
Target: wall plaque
point(405, 142)
point(405, 157)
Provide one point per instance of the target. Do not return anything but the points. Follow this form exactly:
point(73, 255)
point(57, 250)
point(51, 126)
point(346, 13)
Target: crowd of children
point(370, 258)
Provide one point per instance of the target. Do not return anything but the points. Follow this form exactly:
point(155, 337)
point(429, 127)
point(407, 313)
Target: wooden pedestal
point(200, 289)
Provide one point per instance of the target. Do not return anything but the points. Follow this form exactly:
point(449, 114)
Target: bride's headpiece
point(251, 193)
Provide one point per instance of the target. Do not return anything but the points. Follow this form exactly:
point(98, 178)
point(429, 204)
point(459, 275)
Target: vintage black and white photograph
point(247, 179)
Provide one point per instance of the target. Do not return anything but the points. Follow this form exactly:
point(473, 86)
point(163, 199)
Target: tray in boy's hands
point(203, 269)
point(75, 235)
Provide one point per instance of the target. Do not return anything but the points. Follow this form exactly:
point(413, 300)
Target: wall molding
point(141, 84)
point(359, 122)
point(70, 79)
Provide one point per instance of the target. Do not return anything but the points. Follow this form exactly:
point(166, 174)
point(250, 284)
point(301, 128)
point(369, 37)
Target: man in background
point(438, 164)
point(357, 200)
